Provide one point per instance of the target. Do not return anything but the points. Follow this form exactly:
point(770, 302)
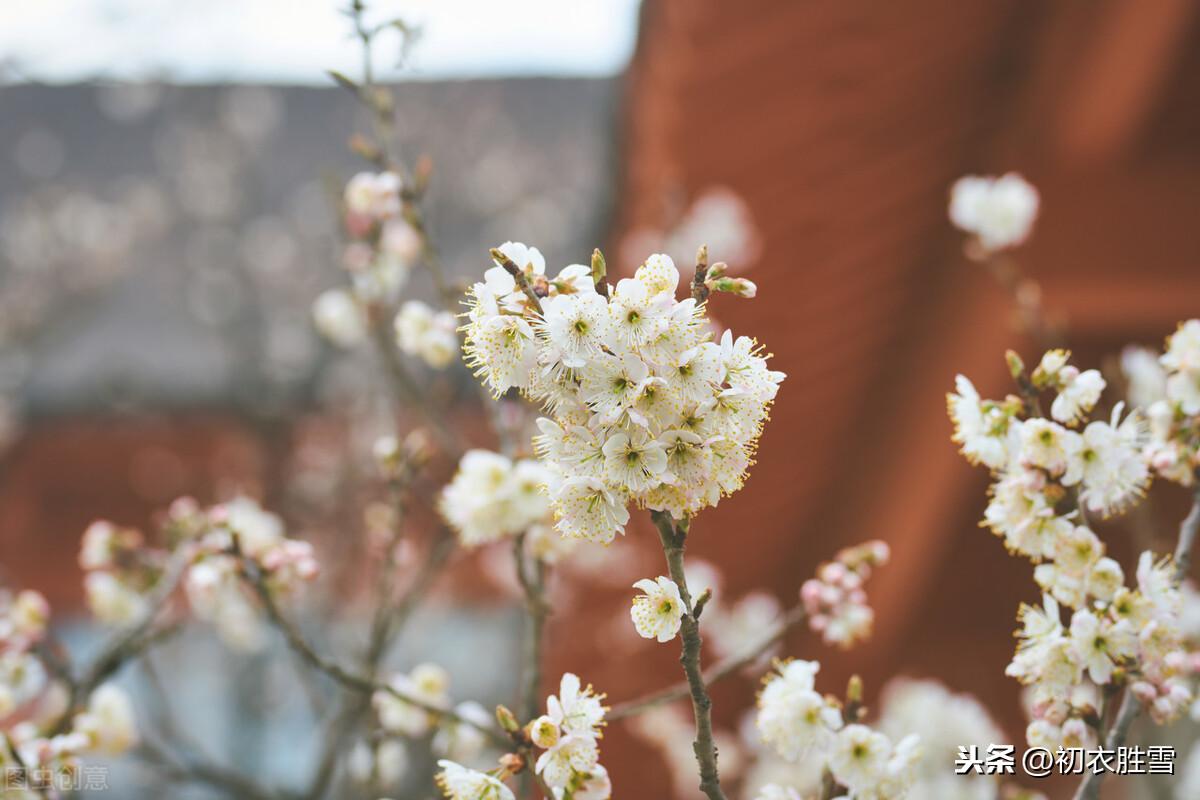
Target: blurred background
point(168, 183)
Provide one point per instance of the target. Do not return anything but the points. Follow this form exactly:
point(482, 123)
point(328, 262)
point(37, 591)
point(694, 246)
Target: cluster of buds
point(1174, 414)
point(23, 619)
point(383, 247)
point(716, 279)
point(119, 569)
point(122, 572)
point(43, 763)
point(835, 601)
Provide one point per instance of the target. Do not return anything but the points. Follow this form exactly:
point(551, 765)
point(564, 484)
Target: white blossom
point(426, 682)
point(428, 334)
point(111, 600)
point(375, 195)
point(1078, 393)
point(340, 318)
point(658, 612)
point(109, 722)
point(792, 717)
point(569, 734)
point(491, 497)
point(641, 406)
point(462, 783)
point(999, 211)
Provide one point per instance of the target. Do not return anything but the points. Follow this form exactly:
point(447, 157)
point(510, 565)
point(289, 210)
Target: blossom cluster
point(121, 570)
point(798, 722)
point(835, 602)
point(1042, 464)
point(998, 212)
point(428, 334)
point(491, 497)
point(568, 735)
point(105, 726)
point(1047, 477)
point(383, 247)
point(642, 406)
point(1168, 388)
point(453, 737)
point(23, 619)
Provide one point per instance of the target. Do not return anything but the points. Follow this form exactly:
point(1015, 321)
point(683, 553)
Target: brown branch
point(408, 388)
point(699, 287)
point(128, 643)
point(254, 577)
point(518, 276)
point(192, 767)
point(673, 540)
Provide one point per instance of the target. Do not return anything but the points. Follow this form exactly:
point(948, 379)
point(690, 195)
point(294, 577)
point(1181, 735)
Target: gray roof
point(160, 246)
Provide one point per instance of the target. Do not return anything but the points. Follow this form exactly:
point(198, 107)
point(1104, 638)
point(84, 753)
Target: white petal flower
point(859, 758)
point(575, 325)
point(426, 682)
point(792, 717)
point(657, 613)
point(584, 507)
point(611, 384)
point(111, 601)
point(635, 315)
point(576, 709)
point(1183, 348)
point(570, 755)
point(981, 427)
point(1113, 473)
point(634, 461)
point(109, 722)
point(373, 194)
point(999, 211)
point(1099, 644)
point(659, 275)
point(461, 783)
point(500, 348)
point(1048, 445)
point(1145, 375)
point(339, 318)
point(1078, 394)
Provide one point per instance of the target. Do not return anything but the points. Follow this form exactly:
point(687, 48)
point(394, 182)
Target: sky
point(295, 41)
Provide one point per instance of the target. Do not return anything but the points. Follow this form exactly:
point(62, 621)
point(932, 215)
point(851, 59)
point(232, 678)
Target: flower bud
point(506, 719)
point(740, 287)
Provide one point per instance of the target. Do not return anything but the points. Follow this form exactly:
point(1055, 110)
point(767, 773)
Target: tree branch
point(295, 640)
point(518, 276)
point(673, 540)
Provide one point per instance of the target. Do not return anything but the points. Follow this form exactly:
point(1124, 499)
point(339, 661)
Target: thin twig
point(519, 276)
point(192, 767)
point(699, 287)
point(129, 642)
point(533, 583)
point(673, 540)
point(718, 672)
point(254, 577)
point(410, 391)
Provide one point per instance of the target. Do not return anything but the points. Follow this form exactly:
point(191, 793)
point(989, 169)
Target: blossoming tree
point(611, 398)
